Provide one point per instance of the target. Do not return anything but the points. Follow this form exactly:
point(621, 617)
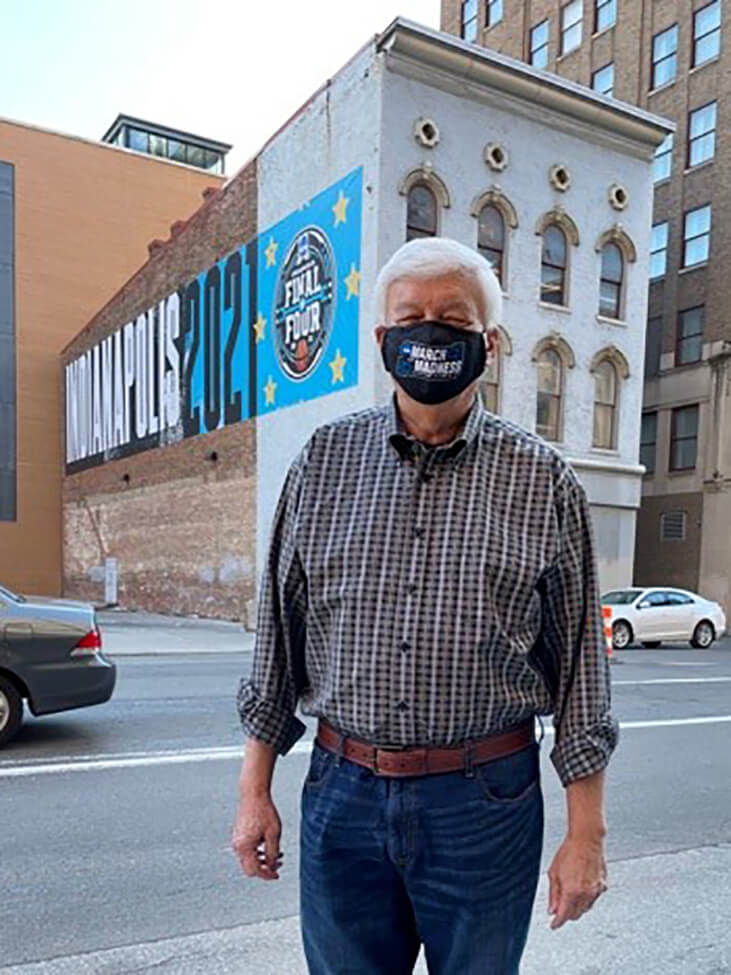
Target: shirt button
point(402, 706)
point(405, 647)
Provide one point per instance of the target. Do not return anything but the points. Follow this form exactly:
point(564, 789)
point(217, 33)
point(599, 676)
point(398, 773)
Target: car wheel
point(11, 710)
point(621, 635)
point(652, 644)
point(703, 635)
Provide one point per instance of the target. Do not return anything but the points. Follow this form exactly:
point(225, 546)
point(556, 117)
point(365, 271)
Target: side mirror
point(644, 605)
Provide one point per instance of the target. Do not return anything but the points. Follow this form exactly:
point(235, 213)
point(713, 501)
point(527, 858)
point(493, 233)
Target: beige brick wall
point(183, 526)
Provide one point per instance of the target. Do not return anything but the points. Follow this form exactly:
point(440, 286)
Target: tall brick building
point(671, 57)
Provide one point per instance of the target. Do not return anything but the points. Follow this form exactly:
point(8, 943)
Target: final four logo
point(303, 303)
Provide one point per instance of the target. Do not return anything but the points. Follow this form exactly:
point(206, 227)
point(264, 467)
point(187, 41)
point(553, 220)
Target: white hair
point(432, 257)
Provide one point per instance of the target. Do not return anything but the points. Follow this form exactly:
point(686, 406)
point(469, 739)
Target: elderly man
point(430, 589)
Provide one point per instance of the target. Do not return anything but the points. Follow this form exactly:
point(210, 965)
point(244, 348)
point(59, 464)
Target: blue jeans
point(450, 861)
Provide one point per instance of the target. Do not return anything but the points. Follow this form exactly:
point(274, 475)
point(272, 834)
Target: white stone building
point(436, 122)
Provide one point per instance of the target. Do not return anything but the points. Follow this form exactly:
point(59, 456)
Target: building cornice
point(468, 66)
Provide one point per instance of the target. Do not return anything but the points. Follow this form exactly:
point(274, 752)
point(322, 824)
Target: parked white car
point(653, 615)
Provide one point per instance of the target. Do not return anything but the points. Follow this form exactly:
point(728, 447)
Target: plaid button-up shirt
point(428, 596)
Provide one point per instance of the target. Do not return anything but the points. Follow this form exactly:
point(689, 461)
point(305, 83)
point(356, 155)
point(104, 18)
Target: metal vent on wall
point(672, 526)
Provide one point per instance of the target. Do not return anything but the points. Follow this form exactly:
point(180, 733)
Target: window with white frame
point(539, 45)
point(664, 57)
point(658, 250)
point(697, 236)
point(549, 395)
point(605, 14)
point(610, 283)
point(648, 441)
point(554, 260)
point(421, 212)
point(605, 405)
point(701, 134)
point(571, 15)
point(490, 382)
point(603, 80)
point(706, 33)
point(469, 20)
point(662, 164)
point(494, 12)
point(491, 239)
point(689, 338)
point(684, 438)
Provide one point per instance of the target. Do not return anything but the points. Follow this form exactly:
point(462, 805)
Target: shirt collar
point(403, 442)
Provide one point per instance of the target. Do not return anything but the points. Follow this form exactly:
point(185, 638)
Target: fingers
point(271, 848)
point(554, 892)
point(572, 905)
point(259, 856)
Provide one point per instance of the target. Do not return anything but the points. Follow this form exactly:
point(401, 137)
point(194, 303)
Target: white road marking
point(673, 680)
point(11, 770)
point(688, 663)
point(676, 722)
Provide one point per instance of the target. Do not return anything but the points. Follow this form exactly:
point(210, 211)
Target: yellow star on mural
point(260, 327)
point(271, 252)
point(352, 282)
point(337, 366)
point(269, 391)
point(340, 207)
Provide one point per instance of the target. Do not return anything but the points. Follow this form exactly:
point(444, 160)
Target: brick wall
point(659, 563)
point(181, 524)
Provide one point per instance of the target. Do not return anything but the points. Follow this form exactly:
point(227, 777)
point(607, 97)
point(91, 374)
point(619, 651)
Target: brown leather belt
point(403, 762)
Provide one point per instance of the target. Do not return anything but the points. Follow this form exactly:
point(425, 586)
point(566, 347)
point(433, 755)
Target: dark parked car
point(50, 656)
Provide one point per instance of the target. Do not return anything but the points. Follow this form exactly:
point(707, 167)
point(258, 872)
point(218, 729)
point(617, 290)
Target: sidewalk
point(665, 914)
point(131, 633)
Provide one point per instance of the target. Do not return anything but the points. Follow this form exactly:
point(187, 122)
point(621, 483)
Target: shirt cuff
point(584, 752)
point(267, 721)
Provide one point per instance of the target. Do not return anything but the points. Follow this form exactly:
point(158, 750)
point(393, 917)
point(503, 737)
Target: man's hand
point(577, 877)
point(255, 837)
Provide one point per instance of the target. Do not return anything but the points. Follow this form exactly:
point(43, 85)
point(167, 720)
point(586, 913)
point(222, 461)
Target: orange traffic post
point(607, 614)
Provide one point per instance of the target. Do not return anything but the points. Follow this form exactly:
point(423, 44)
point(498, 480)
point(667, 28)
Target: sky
point(233, 71)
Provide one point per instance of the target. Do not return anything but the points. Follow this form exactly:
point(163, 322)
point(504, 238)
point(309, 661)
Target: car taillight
point(89, 644)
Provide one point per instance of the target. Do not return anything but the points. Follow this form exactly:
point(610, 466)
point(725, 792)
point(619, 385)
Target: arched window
point(490, 384)
point(421, 212)
point(491, 239)
point(610, 284)
point(605, 405)
point(553, 265)
point(550, 388)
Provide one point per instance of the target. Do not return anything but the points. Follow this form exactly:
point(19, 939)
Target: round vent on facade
point(560, 177)
point(426, 132)
point(618, 196)
point(496, 156)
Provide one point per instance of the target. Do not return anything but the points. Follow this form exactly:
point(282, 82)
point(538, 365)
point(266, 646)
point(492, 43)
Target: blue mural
point(272, 324)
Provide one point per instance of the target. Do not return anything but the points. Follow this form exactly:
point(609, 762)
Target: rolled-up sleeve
point(267, 700)
point(586, 734)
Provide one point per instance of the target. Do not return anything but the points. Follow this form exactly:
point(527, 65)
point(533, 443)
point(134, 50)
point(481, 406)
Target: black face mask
point(431, 361)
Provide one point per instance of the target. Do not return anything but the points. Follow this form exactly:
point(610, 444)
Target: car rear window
point(620, 597)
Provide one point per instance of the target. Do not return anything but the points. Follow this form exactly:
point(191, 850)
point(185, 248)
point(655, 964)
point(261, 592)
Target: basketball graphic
point(300, 355)
point(304, 303)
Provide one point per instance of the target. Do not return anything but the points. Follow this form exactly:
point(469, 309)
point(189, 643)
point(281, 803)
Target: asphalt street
point(114, 846)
